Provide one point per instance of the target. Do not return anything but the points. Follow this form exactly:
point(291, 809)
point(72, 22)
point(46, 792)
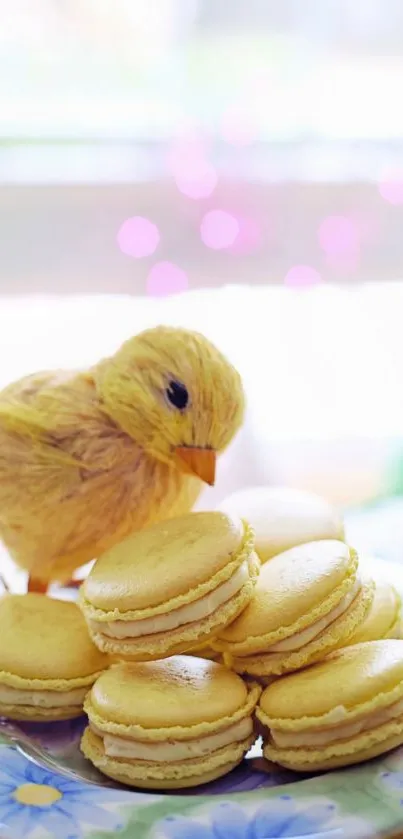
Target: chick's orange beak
point(199, 462)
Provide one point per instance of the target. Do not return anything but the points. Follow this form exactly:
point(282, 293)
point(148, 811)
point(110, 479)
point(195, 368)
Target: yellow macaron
point(344, 710)
point(169, 724)
point(47, 659)
point(283, 517)
point(172, 587)
point(383, 619)
point(308, 601)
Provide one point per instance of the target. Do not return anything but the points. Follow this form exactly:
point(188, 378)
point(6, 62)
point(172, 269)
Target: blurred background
point(233, 167)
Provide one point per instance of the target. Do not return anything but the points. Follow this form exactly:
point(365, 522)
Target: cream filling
point(42, 698)
point(174, 750)
point(196, 611)
point(292, 739)
point(300, 639)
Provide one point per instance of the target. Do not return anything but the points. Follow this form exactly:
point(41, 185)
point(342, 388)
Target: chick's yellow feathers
point(86, 458)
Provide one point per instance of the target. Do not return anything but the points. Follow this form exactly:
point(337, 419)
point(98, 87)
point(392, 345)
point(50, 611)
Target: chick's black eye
point(177, 395)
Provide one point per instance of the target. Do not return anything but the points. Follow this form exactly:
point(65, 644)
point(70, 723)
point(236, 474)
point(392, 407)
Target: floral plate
point(256, 801)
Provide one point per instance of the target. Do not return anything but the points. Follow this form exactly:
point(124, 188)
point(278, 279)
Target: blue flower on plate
point(393, 781)
point(32, 797)
point(275, 818)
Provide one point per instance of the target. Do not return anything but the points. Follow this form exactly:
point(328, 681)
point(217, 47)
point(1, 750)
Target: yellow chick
point(86, 458)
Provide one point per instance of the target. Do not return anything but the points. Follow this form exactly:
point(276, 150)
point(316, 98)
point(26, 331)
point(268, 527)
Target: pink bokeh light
point(302, 276)
point(219, 229)
point(339, 236)
point(166, 278)
point(391, 187)
point(138, 237)
point(196, 178)
point(249, 236)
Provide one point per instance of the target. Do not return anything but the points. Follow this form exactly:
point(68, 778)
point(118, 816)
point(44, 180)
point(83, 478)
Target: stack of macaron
point(160, 719)
point(188, 590)
point(287, 613)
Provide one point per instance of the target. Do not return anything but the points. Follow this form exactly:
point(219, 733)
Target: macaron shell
point(186, 637)
point(35, 714)
point(199, 780)
point(277, 664)
point(164, 775)
point(357, 679)
point(283, 517)
point(165, 562)
point(294, 590)
point(363, 747)
point(383, 618)
point(181, 691)
point(45, 642)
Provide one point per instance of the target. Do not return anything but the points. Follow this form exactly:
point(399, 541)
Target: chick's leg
point(73, 584)
point(37, 586)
